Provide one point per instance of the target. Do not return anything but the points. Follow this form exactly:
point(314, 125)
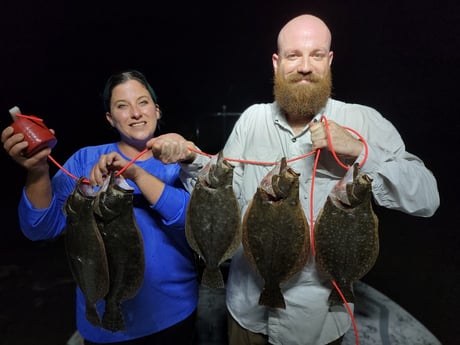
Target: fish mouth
point(271, 198)
point(342, 203)
point(116, 180)
point(86, 189)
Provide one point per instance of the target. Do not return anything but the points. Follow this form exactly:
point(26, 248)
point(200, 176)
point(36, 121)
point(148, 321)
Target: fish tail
point(92, 315)
point(212, 278)
point(336, 299)
point(272, 297)
point(113, 319)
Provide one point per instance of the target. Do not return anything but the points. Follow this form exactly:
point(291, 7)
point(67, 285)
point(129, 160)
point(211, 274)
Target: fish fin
point(272, 297)
point(212, 278)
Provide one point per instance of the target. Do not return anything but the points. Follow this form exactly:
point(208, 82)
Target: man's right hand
point(172, 148)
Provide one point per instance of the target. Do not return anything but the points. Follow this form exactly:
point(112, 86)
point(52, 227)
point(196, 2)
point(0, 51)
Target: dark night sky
point(400, 57)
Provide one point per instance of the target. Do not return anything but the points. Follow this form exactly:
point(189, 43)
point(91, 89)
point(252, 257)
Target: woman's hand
point(111, 162)
point(15, 145)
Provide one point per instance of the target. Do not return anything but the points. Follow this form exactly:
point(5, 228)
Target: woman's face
point(133, 112)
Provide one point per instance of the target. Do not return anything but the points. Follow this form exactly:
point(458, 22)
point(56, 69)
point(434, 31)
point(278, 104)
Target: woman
point(164, 309)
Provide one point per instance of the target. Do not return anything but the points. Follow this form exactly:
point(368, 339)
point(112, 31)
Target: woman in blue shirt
point(164, 309)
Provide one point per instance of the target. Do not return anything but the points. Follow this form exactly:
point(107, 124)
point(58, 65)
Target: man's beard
point(301, 100)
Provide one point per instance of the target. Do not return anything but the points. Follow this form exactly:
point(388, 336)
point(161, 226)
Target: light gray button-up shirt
point(400, 182)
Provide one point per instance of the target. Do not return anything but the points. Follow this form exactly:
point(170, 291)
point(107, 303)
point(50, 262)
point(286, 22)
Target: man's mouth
point(303, 80)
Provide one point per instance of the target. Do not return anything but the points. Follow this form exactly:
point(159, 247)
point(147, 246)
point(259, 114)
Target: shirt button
point(293, 140)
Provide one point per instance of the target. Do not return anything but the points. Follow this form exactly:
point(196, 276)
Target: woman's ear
point(108, 116)
point(158, 111)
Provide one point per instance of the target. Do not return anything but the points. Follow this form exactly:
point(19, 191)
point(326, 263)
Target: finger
point(166, 152)
point(17, 150)
point(6, 133)
point(156, 146)
point(37, 158)
point(96, 177)
point(98, 172)
point(12, 140)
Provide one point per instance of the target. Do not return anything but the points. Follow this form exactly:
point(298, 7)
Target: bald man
point(291, 126)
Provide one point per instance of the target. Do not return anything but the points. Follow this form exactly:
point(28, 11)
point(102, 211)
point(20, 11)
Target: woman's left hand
point(107, 163)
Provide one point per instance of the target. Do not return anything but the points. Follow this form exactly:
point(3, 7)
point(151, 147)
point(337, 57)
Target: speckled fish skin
point(276, 233)
point(346, 234)
point(213, 220)
point(124, 247)
point(85, 249)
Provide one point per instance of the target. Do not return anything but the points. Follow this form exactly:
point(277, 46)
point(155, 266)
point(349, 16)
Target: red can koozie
point(35, 133)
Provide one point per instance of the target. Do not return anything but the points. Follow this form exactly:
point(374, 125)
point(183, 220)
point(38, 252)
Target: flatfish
point(85, 248)
point(124, 247)
point(346, 234)
point(276, 232)
point(213, 220)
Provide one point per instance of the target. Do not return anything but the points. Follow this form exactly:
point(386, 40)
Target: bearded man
point(293, 126)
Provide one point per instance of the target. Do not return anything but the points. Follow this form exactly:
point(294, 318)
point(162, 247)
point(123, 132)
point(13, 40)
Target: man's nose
point(304, 65)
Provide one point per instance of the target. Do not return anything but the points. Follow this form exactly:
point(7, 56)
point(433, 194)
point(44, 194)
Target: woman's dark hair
point(120, 78)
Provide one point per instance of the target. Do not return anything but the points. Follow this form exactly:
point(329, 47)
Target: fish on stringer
point(85, 249)
point(213, 220)
point(346, 234)
point(124, 247)
point(276, 238)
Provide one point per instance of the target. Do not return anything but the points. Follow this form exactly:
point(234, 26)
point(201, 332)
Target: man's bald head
point(303, 27)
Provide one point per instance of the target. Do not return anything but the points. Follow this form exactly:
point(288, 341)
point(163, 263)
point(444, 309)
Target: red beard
point(302, 100)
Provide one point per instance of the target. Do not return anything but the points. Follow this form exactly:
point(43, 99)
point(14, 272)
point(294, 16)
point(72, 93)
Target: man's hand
point(343, 143)
point(171, 148)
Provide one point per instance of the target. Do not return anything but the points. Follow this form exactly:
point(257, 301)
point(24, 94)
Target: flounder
point(85, 248)
point(276, 236)
point(213, 220)
point(124, 247)
point(346, 234)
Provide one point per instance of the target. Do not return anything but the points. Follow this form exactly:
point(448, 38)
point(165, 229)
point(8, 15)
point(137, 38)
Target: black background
point(400, 57)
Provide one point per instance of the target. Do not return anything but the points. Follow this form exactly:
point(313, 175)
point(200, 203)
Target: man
point(286, 128)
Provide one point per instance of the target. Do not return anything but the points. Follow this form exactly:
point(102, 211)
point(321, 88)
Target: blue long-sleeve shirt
point(169, 292)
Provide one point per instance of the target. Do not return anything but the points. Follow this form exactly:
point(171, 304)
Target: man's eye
point(319, 56)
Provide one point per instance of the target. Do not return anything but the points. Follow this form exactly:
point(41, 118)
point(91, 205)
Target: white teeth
point(138, 124)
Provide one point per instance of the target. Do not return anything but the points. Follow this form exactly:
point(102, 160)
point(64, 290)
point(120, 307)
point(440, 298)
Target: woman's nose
point(136, 112)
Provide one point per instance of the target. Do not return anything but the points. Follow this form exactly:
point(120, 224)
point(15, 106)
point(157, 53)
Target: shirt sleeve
point(189, 171)
point(172, 206)
point(41, 224)
point(400, 180)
